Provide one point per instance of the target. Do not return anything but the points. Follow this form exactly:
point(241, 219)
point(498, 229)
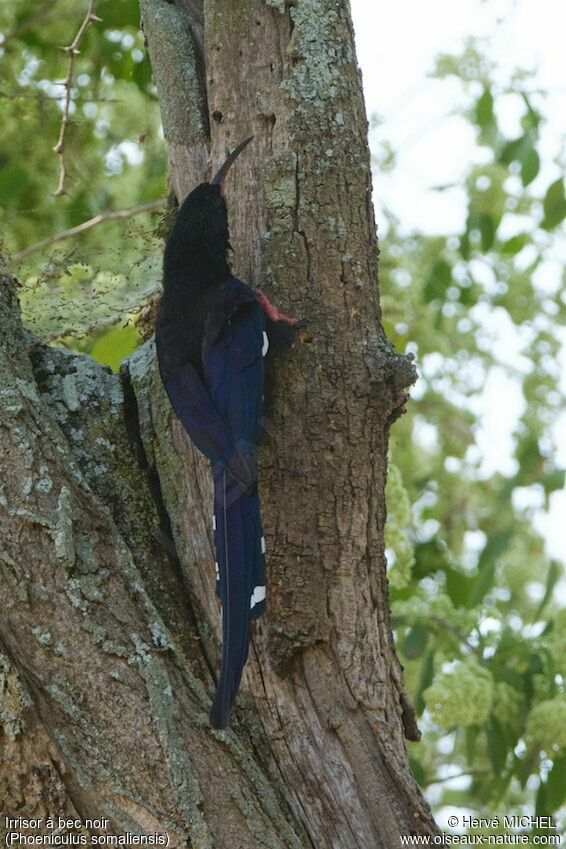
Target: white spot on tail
point(263, 545)
point(257, 596)
point(265, 348)
point(213, 522)
point(217, 571)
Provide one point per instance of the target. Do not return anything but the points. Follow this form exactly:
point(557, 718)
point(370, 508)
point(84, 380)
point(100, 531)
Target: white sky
point(396, 45)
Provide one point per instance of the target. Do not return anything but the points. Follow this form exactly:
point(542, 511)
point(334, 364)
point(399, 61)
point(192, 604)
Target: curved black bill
point(220, 175)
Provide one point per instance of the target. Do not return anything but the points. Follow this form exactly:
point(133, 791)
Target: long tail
point(241, 584)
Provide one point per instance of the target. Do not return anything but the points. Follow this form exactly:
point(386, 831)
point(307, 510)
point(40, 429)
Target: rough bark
point(110, 632)
point(104, 687)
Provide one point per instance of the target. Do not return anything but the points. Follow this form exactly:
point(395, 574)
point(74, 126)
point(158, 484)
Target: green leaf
point(524, 767)
point(535, 666)
point(554, 573)
point(79, 208)
point(515, 244)
point(458, 586)
point(438, 282)
point(554, 205)
point(470, 740)
point(522, 150)
point(468, 294)
point(487, 563)
point(485, 117)
point(496, 745)
point(511, 150)
point(532, 117)
point(487, 229)
point(556, 785)
point(12, 183)
point(553, 480)
point(418, 771)
point(142, 73)
point(464, 246)
point(425, 680)
point(530, 459)
point(541, 802)
point(117, 14)
point(494, 548)
point(415, 641)
point(430, 557)
point(530, 165)
point(114, 345)
point(551, 673)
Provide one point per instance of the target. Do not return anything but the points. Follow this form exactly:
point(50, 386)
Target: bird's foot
point(272, 312)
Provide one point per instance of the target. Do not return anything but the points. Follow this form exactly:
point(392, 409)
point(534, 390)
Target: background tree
point(115, 160)
point(478, 624)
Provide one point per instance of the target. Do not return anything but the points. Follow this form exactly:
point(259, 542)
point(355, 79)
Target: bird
point(213, 332)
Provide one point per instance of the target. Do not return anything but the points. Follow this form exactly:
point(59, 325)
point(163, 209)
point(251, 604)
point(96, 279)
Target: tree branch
point(109, 215)
point(72, 50)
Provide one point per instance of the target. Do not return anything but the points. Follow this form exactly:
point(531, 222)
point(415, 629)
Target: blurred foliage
point(472, 588)
point(477, 623)
point(115, 160)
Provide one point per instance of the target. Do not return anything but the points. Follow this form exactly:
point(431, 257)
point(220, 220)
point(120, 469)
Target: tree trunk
point(110, 630)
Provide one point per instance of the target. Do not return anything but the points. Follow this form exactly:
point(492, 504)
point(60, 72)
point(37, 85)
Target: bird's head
point(200, 234)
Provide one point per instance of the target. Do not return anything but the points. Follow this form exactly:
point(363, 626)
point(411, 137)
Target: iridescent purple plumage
point(212, 336)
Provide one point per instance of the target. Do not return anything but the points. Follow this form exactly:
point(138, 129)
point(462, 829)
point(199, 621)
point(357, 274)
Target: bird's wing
point(233, 352)
point(223, 417)
point(234, 346)
point(197, 413)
